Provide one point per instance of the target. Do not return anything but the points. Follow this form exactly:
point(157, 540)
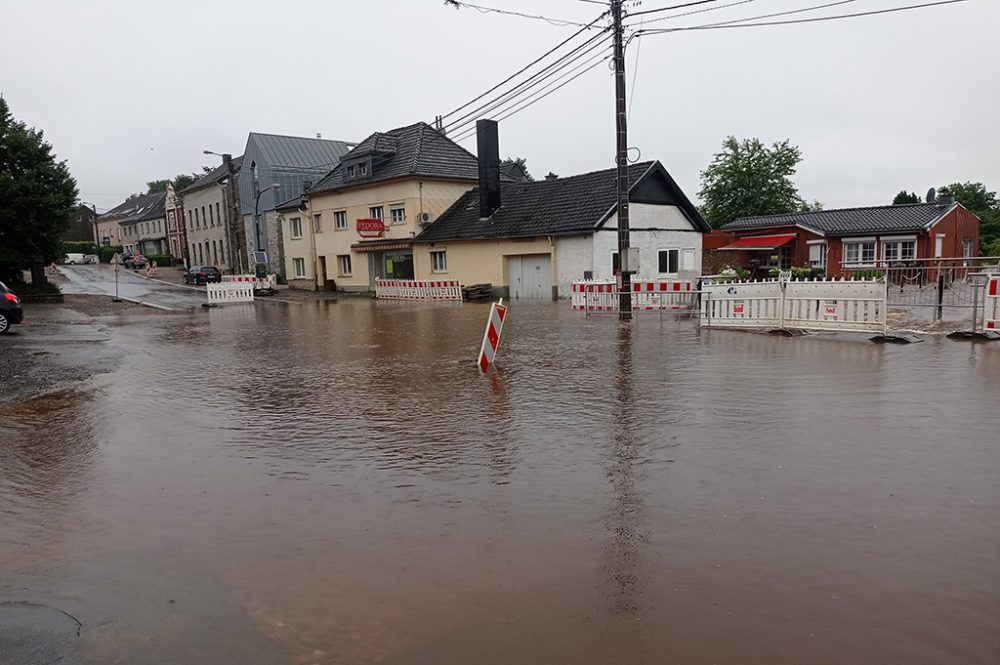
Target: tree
point(747, 178)
point(180, 181)
point(905, 197)
point(37, 199)
point(518, 163)
point(983, 204)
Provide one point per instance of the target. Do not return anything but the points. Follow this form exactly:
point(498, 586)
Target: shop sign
point(371, 228)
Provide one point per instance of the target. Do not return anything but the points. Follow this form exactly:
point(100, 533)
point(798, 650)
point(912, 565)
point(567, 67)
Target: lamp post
point(234, 236)
point(256, 216)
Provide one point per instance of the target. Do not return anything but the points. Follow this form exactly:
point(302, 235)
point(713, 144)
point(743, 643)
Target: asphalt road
point(99, 280)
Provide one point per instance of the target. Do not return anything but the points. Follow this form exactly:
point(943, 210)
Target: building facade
point(210, 232)
point(174, 211)
point(138, 224)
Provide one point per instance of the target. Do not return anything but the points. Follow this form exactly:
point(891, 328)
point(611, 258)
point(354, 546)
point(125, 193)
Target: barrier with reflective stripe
point(418, 289)
point(602, 295)
point(260, 282)
point(229, 292)
point(834, 305)
point(491, 339)
point(991, 312)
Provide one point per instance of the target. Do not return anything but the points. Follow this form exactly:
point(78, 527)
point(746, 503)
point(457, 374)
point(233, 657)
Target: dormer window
point(356, 169)
point(363, 168)
point(351, 171)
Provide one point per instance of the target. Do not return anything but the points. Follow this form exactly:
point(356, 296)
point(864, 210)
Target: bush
point(867, 274)
point(79, 247)
point(108, 253)
point(731, 274)
point(39, 292)
point(162, 260)
point(799, 272)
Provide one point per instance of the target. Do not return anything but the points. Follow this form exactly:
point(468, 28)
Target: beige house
point(358, 223)
point(206, 210)
point(138, 224)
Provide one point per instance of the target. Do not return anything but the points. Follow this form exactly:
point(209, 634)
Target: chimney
point(944, 197)
point(488, 147)
point(551, 176)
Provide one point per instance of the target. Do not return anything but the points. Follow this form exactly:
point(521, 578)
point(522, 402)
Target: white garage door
point(530, 276)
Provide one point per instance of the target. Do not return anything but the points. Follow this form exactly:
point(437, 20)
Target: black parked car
point(10, 309)
point(202, 275)
point(133, 261)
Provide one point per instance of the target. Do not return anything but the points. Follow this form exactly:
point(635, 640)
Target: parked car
point(10, 309)
point(202, 275)
point(134, 261)
point(73, 259)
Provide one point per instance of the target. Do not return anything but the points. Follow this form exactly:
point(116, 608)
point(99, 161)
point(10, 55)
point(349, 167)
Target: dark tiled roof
point(577, 204)
point(416, 150)
point(851, 221)
point(291, 204)
point(216, 175)
point(138, 208)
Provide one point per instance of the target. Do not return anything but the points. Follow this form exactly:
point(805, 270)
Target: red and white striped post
point(491, 339)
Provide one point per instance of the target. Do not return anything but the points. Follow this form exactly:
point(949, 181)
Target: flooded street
point(335, 482)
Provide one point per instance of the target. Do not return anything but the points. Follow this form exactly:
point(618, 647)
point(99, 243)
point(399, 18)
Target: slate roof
point(572, 205)
point(138, 208)
point(296, 153)
point(415, 150)
point(215, 176)
point(910, 217)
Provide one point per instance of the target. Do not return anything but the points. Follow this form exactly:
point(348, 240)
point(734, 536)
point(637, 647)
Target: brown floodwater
point(337, 483)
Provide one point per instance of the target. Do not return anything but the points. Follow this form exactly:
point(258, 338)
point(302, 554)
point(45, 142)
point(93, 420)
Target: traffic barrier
point(229, 292)
point(491, 338)
point(260, 282)
point(150, 268)
point(418, 289)
point(603, 295)
point(833, 305)
point(991, 312)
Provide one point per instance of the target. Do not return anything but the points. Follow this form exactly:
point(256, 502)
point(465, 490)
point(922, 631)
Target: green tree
point(905, 197)
point(520, 163)
point(748, 178)
point(179, 182)
point(983, 204)
point(37, 199)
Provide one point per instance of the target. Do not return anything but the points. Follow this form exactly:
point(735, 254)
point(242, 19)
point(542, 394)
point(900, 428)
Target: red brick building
point(856, 237)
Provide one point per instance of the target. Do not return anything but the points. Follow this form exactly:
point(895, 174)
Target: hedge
point(108, 253)
point(79, 247)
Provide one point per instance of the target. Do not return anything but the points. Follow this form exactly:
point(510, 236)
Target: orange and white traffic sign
point(491, 339)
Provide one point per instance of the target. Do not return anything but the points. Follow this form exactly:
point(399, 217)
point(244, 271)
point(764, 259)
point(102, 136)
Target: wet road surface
point(336, 483)
point(100, 280)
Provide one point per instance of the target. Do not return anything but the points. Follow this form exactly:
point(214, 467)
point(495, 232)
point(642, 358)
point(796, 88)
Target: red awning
point(761, 242)
point(380, 245)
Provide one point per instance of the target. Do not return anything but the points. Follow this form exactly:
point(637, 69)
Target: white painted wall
point(653, 228)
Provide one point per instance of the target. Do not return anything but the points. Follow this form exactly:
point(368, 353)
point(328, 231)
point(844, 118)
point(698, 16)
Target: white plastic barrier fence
point(418, 289)
point(602, 295)
point(260, 282)
point(834, 305)
point(229, 292)
point(991, 316)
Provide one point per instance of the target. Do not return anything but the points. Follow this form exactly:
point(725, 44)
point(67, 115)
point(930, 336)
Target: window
point(340, 220)
point(967, 248)
point(667, 260)
point(899, 250)
point(215, 251)
point(295, 227)
point(375, 212)
point(351, 171)
point(190, 224)
point(318, 223)
point(397, 215)
point(439, 261)
point(616, 264)
point(299, 265)
point(817, 254)
point(860, 253)
point(217, 215)
point(197, 220)
point(344, 264)
point(211, 216)
point(204, 219)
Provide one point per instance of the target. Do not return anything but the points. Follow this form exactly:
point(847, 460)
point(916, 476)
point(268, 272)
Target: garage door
point(530, 276)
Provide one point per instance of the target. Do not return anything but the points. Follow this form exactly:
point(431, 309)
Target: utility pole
point(621, 158)
point(237, 232)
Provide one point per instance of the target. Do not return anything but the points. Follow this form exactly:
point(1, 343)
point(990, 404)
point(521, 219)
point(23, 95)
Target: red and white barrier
point(418, 289)
point(991, 313)
point(229, 292)
point(257, 282)
point(491, 339)
point(602, 296)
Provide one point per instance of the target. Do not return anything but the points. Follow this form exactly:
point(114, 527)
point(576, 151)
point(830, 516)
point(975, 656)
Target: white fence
point(834, 305)
point(603, 295)
point(229, 292)
point(418, 289)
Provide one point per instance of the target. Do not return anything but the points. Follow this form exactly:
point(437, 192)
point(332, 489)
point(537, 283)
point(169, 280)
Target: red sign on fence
point(371, 228)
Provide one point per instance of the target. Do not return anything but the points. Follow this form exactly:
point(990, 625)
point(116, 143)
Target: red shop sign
point(371, 228)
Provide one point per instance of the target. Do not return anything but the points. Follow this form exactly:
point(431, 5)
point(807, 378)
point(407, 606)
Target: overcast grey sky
point(129, 91)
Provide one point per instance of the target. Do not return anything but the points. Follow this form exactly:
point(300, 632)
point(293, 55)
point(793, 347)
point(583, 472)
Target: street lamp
point(256, 219)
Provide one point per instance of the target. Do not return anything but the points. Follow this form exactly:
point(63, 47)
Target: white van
point(73, 259)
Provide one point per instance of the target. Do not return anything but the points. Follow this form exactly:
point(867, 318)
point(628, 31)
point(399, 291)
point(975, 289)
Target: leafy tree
point(520, 163)
point(37, 199)
point(179, 182)
point(905, 197)
point(748, 178)
point(983, 204)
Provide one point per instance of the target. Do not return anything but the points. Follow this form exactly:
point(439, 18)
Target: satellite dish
point(931, 195)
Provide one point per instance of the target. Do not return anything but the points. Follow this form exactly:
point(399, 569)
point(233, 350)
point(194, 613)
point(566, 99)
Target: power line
point(492, 10)
point(817, 19)
point(785, 13)
point(698, 11)
point(526, 67)
point(667, 9)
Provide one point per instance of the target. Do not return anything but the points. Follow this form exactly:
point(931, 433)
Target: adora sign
point(371, 228)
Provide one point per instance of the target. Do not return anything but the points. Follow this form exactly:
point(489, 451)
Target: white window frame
point(677, 260)
point(339, 220)
point(318, 222)
point(295, 228)
point(376, 212)
point(860, 243)
point(299, 265)
point(822, 250)
point(894, 246)
point(392, 214)
point(344, 266)
point(439, 260)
